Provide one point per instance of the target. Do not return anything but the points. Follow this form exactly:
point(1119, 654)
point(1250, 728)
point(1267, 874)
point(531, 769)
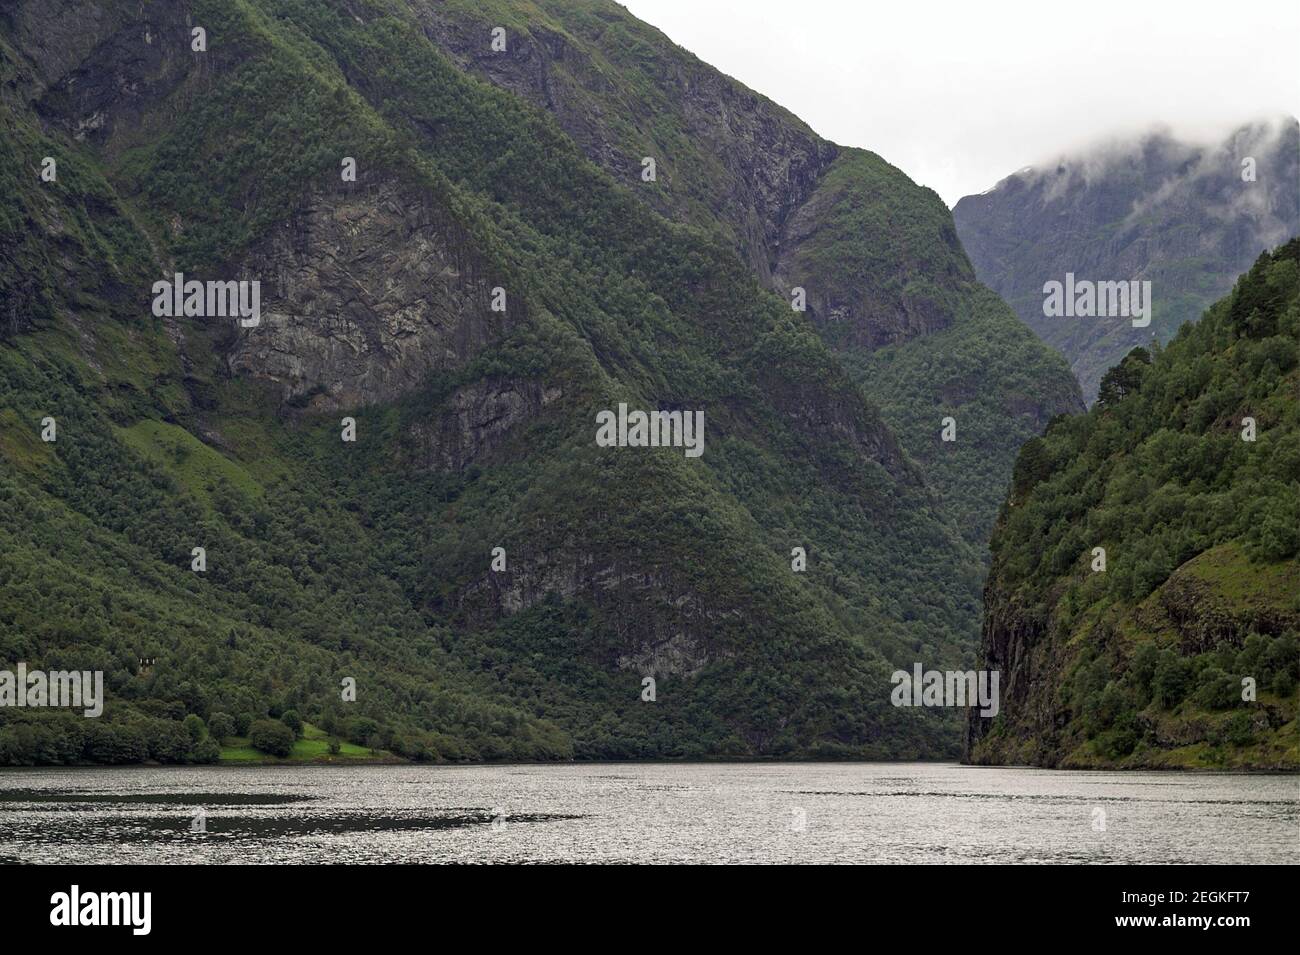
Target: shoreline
point(391, 760)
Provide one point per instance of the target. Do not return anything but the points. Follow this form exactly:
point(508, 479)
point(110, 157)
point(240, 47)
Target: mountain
point(1143, 604)
point(1186, 217)
point(886, 281)
point(498, 274)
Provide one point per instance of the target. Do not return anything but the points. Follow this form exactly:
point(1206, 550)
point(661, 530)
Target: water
point(851, 812)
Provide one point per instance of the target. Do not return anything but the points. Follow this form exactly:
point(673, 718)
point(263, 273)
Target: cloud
point(957, 93)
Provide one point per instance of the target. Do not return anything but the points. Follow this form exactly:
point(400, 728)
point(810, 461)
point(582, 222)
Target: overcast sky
point(961, 94)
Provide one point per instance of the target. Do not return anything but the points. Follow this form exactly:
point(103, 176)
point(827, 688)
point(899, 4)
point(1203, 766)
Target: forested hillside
point(885, 278)
point(1144, 600)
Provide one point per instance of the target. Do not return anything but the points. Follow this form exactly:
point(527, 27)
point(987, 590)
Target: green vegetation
point(315, 746)
point(998, 385)
point(195, 467)
point(326, 567)
point(1153, 661)
point(271, 737)
point(922, 337)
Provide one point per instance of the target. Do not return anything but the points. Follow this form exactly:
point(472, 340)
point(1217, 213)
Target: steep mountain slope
point(1187, 218)
point(887, 284)
point(934, 348)
point(1178, 645)
point(726, 158)
point(372, 560)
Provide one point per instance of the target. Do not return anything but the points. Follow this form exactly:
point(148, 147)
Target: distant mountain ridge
point(1187, 217)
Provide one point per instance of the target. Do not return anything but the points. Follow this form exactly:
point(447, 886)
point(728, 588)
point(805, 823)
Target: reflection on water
point(768, 812)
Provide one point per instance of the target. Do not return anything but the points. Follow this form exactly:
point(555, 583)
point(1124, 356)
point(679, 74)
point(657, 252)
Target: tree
point(1172, 679)
point(193, 724)
point(167, 740)
point(361, 729)
point(292, 720)
point(1276, 535)
point(271, 736)
point(1125, 378)
point(221, 727)
point(206, 750)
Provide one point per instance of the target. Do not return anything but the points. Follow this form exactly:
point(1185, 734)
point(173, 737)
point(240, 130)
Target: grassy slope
point(312, 747)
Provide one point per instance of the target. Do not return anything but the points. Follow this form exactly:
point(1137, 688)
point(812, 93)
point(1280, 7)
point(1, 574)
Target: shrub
point(1173, 678)
point(194, 727)
point(221, 727)
point(1238, 730)
point(1217, 690)
point(271, 736)
point(1121, 743)
point(361, 729)
point(206, 750)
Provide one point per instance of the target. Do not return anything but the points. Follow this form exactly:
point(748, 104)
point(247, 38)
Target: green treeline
point(1184, 650)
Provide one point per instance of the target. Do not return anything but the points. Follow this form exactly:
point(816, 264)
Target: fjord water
point(624, 813)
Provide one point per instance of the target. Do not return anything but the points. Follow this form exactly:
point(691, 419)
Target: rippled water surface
point(823, 812)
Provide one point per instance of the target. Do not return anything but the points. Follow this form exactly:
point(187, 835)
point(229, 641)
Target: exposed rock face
point(476, 419)
point(657, 625)
point(679, 655)
point(1015, 644)
point(55, 82)
point(366, 289)
point(1177, 214)
point(365, 292)
point(96, 69)
point(1205, 619)
point(1036, 656)
point(731, 156)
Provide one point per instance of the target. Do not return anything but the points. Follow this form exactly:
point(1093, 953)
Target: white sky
point(960, 93)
